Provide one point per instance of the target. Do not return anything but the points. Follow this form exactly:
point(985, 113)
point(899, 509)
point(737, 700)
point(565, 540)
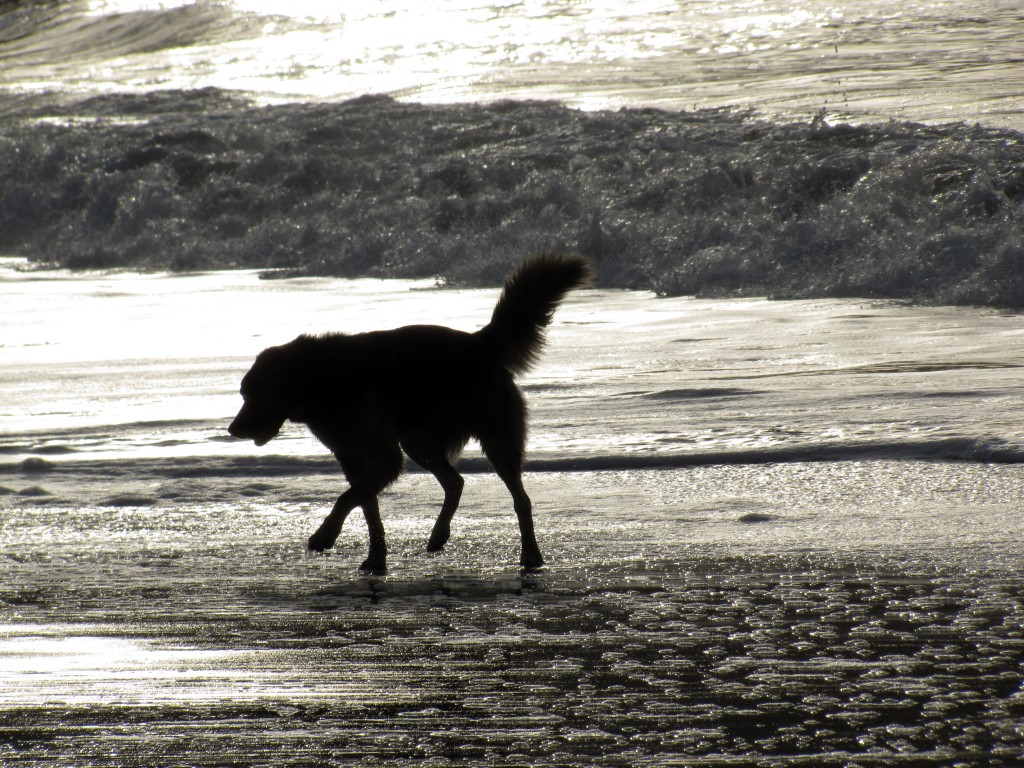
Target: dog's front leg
point(327, 534)
point(330, 528)
point(376, 560)
point(368, 477)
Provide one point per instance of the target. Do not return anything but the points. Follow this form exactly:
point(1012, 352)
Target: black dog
point(423, 389)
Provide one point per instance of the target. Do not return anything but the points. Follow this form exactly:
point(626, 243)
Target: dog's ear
point(268, 374)
point(285, 380)
point(273, 359)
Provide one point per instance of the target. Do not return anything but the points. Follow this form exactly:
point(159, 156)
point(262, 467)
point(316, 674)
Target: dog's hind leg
point(368, 477)
point(437, 464)
point(508, 464)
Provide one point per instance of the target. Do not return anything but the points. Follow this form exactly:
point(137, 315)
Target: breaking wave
point(713, 202)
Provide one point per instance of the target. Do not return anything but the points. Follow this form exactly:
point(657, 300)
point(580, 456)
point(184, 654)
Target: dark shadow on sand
point(462, 586)
point(468, 587)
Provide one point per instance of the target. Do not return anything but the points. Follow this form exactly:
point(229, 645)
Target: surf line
point(970, 450)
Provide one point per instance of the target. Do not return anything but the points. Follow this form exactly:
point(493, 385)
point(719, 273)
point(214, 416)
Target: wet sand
point(708, 616)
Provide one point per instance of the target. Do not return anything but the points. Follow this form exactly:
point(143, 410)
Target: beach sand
point(701, 616)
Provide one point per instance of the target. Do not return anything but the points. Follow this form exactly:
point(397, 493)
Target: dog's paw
point(322, 540)
point(438, 538)
point(374, 567)
point(531, 561)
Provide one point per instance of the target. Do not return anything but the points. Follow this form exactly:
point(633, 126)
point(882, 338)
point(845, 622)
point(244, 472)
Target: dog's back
point(427, 382)
point(408, 381)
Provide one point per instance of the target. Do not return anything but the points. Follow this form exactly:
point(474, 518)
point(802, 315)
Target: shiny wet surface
point(730, 625)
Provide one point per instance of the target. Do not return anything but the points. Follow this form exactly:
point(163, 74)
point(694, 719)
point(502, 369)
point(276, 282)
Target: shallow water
point(775, 536)
point(147, 367)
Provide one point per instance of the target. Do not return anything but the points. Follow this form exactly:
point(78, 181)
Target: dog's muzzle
point(250, 425)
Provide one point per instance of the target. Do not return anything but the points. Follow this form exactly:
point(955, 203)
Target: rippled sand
point(860, 613)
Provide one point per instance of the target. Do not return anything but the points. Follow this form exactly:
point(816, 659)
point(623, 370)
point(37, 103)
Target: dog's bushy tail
point(527, 303)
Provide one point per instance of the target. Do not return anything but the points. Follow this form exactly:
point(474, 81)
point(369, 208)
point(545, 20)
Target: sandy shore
point(695, 617)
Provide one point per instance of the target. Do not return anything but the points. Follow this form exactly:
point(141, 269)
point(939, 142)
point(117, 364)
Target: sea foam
point(713, 202)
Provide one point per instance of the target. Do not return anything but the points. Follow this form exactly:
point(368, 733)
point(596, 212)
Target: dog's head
point(267, 397)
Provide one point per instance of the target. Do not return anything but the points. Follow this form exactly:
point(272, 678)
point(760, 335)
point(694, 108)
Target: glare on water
point(873, 60)
point(161, 356)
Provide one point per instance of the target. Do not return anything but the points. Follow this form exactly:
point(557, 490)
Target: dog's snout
point(238, 426)
point(254, 423)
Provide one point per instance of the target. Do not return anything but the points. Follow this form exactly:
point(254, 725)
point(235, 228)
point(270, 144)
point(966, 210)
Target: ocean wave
point(713, 202)
point(32, 32)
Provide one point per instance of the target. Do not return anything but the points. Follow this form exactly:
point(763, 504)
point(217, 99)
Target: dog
point(422, 389)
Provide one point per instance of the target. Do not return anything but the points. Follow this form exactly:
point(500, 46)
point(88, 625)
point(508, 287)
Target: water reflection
point(47, 664)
